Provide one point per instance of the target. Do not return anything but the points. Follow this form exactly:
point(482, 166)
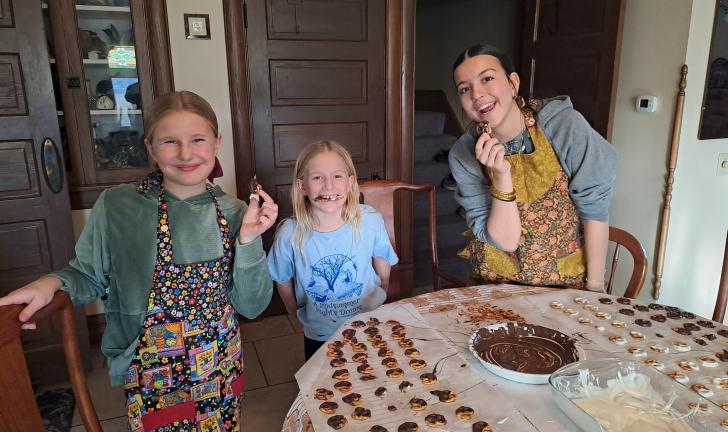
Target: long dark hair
point(485, 49)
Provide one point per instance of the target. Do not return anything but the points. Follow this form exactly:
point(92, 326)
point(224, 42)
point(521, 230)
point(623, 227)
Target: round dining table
point(685, 347)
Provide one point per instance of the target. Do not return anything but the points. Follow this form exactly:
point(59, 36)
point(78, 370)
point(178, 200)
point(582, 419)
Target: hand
point(36, 295)
point(491, 154)
point(258, 218)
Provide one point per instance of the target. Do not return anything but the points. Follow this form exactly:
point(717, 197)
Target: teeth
point(328, 197)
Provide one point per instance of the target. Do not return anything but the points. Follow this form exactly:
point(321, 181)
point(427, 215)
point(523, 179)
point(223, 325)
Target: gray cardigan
point(588, 160)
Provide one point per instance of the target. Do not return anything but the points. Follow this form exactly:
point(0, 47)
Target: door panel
point(317, 71)
point(36, 234)
point(571, 47)
point(317, 20)
point(308, 84)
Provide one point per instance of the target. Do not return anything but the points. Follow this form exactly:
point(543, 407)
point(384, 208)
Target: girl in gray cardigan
point(534, 178)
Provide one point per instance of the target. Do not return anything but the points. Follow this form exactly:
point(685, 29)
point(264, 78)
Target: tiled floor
point(273, 352)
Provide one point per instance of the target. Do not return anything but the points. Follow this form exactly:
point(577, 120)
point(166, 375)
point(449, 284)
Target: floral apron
point(550, 250)
point(187, 373)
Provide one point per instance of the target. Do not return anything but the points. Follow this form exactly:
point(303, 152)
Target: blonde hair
point(302, 205)
point(179, 101)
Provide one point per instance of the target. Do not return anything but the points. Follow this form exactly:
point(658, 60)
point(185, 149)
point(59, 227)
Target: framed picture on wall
point(197, 26)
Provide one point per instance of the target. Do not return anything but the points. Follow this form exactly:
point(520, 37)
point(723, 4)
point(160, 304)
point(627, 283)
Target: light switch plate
point(722, 164)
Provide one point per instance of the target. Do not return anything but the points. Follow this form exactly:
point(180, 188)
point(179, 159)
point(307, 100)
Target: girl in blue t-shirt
point(332, 259)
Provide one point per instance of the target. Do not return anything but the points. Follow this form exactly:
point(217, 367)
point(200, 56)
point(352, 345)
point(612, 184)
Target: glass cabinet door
point(106, 44)
point(98, 48)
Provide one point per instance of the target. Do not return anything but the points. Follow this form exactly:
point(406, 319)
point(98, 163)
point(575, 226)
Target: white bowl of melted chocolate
point(525, 353)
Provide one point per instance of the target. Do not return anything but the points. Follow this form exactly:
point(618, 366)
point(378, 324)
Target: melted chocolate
point(606, 300)
point(643, 322)
point(408, 427)
point(481, 426)
point(336, 422)
point(628, 312)
point(723, 356)
point(525, 348)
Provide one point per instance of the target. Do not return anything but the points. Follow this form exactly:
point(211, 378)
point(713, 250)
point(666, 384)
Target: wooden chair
point(639, 258)
point(18, 408)
point(720, 302)
point(380, 195)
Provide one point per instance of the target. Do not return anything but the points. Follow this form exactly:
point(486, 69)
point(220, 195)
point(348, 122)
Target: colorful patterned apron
point(187, 373)
point(550, 250)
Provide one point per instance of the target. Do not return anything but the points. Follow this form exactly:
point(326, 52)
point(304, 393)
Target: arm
point(382, 269)
point(287, 294)
point(252, 287)
point(473, 194)
point(596, 240)
point(85, 278)
point(504, 222)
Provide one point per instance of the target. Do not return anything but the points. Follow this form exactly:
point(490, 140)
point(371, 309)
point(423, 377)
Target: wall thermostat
point(646, 104)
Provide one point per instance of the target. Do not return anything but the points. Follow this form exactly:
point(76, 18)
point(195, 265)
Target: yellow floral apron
point(550, 250)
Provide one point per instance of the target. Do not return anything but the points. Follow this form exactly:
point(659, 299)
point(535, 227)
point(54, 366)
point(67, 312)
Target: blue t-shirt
point(335, 271)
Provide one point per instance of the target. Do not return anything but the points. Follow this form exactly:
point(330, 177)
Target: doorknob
point(50, 159)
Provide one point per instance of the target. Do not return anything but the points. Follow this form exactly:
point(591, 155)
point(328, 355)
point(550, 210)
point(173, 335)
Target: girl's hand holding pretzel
point(259, 217)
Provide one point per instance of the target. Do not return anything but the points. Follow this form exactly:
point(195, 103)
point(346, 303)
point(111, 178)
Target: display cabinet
point(100, 59)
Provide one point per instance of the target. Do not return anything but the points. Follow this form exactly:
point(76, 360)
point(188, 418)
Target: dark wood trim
point(237, 60)
point(400, 123)
point(158, 34)
point(615, 74)
point(436, 100)
point(59, 15)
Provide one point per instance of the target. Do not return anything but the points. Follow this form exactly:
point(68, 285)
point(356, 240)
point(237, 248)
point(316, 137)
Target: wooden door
point(36, 235)
point(316, 71)
point(571, 47)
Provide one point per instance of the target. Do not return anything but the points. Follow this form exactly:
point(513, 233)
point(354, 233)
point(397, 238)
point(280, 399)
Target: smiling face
point(486, 92)
point(326, 183)
point(184, 147)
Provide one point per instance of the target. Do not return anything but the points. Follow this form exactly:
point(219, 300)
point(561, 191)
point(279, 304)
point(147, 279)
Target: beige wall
point(700, 202)
point(200, 66)
point(446, 28)
point(653, 51)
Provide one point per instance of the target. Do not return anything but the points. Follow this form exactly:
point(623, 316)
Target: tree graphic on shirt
point(330, 268)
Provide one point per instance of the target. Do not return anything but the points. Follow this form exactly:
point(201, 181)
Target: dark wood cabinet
point(101, 55)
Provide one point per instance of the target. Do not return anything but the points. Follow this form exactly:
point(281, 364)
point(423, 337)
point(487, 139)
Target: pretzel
point(255, 189)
